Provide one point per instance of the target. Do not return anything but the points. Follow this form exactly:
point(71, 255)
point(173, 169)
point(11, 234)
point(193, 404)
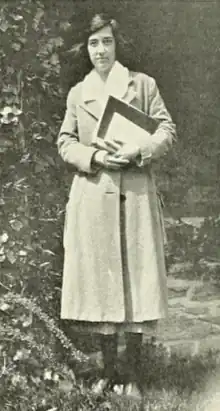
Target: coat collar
point(119, 84)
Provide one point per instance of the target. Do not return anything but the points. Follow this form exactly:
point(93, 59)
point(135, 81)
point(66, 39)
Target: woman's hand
point(115, 163)
point(110, 161)
point(108, 145)
point(126, 151)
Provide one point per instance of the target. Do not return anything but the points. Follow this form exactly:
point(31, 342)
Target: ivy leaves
point(29, 45)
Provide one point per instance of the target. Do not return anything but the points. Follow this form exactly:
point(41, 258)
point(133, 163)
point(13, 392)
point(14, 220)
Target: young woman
point(114, 277)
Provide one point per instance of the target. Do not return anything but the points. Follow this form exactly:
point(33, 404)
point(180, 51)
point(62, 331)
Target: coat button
point(122, 197)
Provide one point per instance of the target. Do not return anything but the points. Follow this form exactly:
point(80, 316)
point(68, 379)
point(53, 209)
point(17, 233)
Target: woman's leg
point(109, 347)
point(133, 355)
point(133, 364)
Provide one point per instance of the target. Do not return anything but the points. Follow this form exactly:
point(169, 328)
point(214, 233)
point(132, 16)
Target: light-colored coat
point(93, 269)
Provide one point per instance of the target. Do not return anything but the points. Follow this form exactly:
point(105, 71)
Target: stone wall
point(193, 325)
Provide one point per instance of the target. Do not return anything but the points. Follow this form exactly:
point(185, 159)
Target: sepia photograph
point(109, 205)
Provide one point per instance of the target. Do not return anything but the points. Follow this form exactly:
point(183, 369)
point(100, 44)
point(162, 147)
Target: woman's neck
point(103, 76)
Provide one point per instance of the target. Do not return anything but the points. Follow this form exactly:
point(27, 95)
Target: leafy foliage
point(33, 195)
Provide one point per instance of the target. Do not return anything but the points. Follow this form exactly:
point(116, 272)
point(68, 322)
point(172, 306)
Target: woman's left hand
point(127, 151)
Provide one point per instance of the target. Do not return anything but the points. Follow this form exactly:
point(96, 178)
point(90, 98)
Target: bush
point(197, 245)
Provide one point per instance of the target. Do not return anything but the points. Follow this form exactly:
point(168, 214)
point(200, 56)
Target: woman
point(114, 275)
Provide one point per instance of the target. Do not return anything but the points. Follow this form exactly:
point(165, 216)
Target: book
point(123, 122)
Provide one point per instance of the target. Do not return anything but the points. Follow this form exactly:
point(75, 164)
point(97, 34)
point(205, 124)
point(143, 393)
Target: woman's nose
point(101, 47)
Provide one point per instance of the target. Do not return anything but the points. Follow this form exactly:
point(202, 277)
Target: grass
point(172, 383)
point(40, 370)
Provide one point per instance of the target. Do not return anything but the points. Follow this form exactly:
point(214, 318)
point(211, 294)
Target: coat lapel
point(93, 108)
point(91, 101)
point(131, 92)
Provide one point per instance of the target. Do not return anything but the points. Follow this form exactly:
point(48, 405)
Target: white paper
point(120, 128)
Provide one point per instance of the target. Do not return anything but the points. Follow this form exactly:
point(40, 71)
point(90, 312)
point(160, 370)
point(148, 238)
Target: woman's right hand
point(109, 161)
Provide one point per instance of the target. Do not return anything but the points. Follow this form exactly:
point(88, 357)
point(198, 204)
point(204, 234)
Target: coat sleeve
point(69, 146)
point(161, 140)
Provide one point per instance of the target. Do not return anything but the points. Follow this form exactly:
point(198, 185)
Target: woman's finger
point(119, 142)
point(113, 145)
point(99, 143)
point(116, 160)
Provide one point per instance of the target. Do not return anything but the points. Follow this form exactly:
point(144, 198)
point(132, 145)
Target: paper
point(120, 128)
point(121, 121)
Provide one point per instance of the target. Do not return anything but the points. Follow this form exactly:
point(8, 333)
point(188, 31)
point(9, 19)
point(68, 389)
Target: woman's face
point(101, 48)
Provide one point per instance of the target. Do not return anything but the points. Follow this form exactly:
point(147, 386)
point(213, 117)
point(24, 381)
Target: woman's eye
point(93, 43)
point(108, 41)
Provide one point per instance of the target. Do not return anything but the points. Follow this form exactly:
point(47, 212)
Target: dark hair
point(79, 50)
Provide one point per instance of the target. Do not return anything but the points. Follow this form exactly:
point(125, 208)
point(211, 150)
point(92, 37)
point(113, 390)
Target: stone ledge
point(182, 326)
point(192, 347)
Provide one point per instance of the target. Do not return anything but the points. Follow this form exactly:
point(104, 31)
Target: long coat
point(93, 288)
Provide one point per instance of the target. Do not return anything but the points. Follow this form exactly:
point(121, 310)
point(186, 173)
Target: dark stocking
point(109, 345)
point(133, 356)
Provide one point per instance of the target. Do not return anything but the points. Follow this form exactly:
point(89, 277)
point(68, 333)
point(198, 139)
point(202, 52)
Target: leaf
point(28, 322)
point(49, 138)
point(22, 40)
point(18, 356)
point(56, 378)
point(16, 225)
point(107, 405)
point(49, 159)
point(4, 143)
point(58, 41)
point(10, 70)
point(54, 60)
point(4, 25)
point(2, 251)
point(11, 256)
point(7, 110)
point(16, 379)
point(37, 19)
point(47, 375)
point(4, 307)
point(49, 252)
point(65, 25)
point(16, 46)
point(65, 386)
point(35, 380)
point(22, 253)
point(41, 166)
point(26, 158)
point(4, 238)
point(37, 136)
point(44, 264)
point(17, 17)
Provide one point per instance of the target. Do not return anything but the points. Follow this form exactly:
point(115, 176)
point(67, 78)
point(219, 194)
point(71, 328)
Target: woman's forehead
point(104, 32)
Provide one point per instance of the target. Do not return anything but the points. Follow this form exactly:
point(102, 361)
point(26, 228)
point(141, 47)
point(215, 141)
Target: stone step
point(192, 346)
point(195, 290)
